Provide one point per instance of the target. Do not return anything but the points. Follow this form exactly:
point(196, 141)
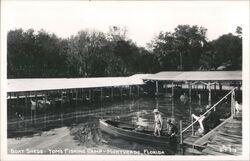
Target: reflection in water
point(85, 128)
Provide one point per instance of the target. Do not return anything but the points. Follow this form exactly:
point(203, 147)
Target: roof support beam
point(172, 89)
point(209, 93)
point(190, 92)
point(156, 88)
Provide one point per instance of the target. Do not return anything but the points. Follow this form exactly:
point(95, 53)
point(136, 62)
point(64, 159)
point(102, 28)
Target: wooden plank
point(227, 139)
point(230, 135)
point(204, 139)
point(192, 151)
point(220, 143)
point(190, 140)
point(234, 132)
point(219, 148)
point(211, 152)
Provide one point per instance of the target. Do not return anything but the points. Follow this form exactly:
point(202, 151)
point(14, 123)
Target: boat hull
point(130, 133)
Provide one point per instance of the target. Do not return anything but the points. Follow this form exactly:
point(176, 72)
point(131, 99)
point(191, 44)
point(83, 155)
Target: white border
point(5, 156)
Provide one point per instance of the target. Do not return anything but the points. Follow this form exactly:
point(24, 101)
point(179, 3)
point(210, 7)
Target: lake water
point(84, 127)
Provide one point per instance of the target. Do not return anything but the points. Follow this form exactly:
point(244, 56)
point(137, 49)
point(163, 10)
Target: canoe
point(132, 133)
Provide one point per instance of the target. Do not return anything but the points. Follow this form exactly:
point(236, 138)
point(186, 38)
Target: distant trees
point(33, 54)
point(182, 49)
point(87, 54)
point(227, 51)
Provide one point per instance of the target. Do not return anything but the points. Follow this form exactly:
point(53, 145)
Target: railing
point(213, 107)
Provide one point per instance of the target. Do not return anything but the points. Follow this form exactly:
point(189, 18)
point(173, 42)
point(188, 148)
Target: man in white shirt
point(158, 123)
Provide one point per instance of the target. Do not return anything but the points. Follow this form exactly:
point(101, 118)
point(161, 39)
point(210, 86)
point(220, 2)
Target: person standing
point(212, 119)
point(172, 132)
point(157, 122)
point(203, 121)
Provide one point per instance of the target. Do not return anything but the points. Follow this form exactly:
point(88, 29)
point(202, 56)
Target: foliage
point(32, 54)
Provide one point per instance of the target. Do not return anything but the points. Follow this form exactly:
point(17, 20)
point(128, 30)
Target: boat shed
point(191, 78)
point(22, 85)
point(196, 76)
point(76, 88)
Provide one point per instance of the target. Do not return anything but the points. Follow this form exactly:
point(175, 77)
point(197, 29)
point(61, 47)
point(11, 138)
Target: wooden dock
point(225, 139)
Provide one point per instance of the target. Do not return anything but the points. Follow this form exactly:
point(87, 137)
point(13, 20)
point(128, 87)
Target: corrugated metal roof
point(20, 85)
point(163, 76)
point(196, 76)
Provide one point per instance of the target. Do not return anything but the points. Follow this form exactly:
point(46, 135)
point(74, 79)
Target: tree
point(239, 31)
point(37, 54)
point(189, 42)
point(182, 49)
point(86, 50)
point(227, 51)
point(33, 54)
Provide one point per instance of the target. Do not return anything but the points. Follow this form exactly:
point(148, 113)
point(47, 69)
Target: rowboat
point(132, 133)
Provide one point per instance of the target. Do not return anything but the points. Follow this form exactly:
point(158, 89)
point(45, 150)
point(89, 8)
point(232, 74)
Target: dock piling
point(101, 97)
point(76, 97)
point(209, 93)
point(112, 93)
point(192, 120)
point(190, 92)
point(138, 90)
point(172, 89)
point(181, 138)
point(61, 119)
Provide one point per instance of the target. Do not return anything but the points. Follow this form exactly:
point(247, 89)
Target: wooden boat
point(132, 133)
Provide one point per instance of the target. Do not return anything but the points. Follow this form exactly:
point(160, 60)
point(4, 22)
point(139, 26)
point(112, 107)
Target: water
point(84, 127)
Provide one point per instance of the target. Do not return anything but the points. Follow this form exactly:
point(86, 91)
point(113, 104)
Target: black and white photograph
point(132, 80)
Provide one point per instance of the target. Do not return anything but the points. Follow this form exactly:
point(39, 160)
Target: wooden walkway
point(225, 139)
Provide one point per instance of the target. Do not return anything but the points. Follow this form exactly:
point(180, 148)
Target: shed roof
point(196, 76)
point(21, 85)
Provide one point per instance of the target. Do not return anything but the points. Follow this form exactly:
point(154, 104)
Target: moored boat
point(133, 133)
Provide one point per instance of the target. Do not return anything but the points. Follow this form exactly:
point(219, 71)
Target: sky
point(143, 19)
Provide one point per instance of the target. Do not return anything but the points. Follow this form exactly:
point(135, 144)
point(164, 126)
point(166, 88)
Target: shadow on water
point(85, 127)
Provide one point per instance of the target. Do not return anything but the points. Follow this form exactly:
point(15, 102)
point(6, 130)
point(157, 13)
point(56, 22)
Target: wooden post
point(232, 104)
point(215, 89)
point(112, 93)
point(156, 88)
point(76, 97)
point(45, 121)
point(36, 100)
point(17, 99)
point(101, 97)
point(61, 119)
point(192, 120)
point(90, 95)
point(61, 98)
point(209, 94)
point(199, 97)
point(130, 91)
point(10, 103)
point(172, 89)
point(71, 91)
point(121, 91)
point(172, 104)
point(181, 137)
point(239, 85)
point(26, 101)
point(157, 103)
point(190, 92)
point(83, 95)
point(45, 96)
point(10, 99)
point(220, 86)
point(138, 90)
